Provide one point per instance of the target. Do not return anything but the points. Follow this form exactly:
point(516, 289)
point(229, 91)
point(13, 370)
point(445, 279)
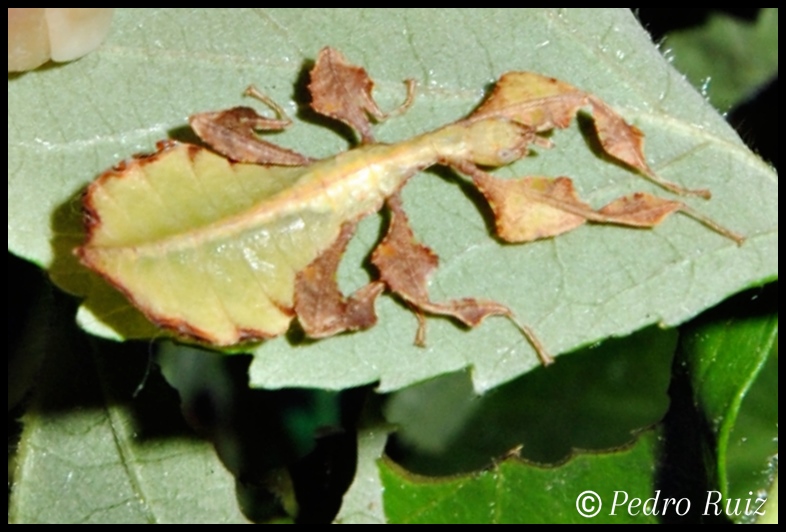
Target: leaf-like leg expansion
point(342, 91)
point(645, 210)
point(321, 308)
point(530, 208)
point(404, 265)
point(232, 134)
point(625, 143)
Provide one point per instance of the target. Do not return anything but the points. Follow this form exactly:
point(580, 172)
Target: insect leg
point(529, 208)
point(232, 133)
point(405, 264)
point(321, 308)
point(342, 91)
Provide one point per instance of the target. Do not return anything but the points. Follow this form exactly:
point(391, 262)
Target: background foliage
point(103, 440)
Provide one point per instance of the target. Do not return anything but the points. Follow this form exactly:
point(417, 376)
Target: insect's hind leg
point(405, 264)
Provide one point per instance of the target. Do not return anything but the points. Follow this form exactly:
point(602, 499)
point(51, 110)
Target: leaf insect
point(229, 247)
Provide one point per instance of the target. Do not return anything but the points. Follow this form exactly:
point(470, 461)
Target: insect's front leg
point(232, 134)
point(342, 91)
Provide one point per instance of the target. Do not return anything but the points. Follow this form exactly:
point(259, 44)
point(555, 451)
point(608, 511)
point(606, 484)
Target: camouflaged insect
point(257, 239)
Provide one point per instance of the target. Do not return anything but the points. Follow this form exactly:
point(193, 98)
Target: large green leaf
point(68, 123)
point(620, 385)
point(598, 397)
point(89, 454)
point(731, 356)
point(585, 489)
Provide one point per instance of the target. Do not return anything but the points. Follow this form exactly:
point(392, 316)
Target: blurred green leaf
point(731, 355)
point(771, 508)
point(513, 491)
point(362, 503)
point(88, 454)
point(620, 385)
point(727, 56)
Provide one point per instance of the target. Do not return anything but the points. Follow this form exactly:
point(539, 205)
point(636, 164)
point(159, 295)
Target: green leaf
point(620, 385)
point(362, 503)
point(514, 491)
point(89, 454)
point(731, 356)
point(158, 66)
point(596, 398)
point(771, 507)
point(727, 56)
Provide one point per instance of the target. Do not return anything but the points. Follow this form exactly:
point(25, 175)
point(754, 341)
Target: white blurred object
point(38, 34)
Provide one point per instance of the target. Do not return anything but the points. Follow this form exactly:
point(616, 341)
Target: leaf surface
point(731, 355)
point(620, 385)
point(363, 500)
point(89, 454)
point(514, 491)
point(159, 66)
